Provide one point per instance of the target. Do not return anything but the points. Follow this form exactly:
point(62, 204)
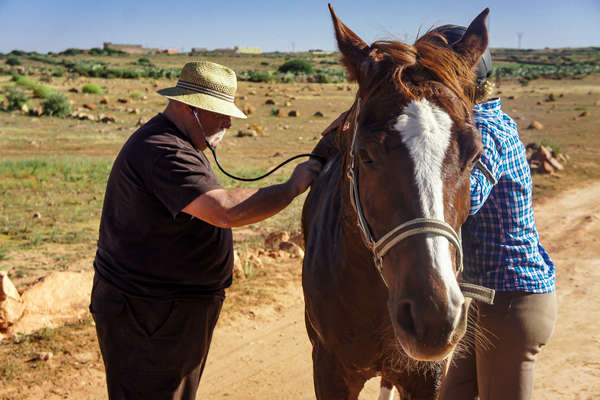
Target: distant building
point(199, 50)
point(247, 50)
point(171, 51)
point(132, 48)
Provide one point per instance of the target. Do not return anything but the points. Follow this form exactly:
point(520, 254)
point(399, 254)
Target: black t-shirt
point(147, 246)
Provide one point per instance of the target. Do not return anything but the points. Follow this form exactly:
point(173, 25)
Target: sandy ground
point(269, 357)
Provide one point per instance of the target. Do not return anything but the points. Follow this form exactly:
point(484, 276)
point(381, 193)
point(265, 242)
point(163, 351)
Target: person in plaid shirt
point(502, 251)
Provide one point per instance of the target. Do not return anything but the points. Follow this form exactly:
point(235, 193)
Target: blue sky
point(283, 25)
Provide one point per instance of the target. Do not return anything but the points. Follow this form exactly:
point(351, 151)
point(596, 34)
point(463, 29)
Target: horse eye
point(364, 156)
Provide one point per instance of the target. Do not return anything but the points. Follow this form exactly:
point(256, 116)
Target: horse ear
point(475, 40)
point(354, 50)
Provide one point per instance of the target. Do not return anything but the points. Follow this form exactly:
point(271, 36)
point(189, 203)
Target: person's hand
point(304, 175)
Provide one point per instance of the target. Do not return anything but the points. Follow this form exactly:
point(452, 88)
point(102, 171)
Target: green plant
point(136, 95)
point(92, 88)
point(145, 61)
point(13, 60)
point(296, 66)
point(16, 99)
point(42, 92)
point(275, 111)
point(22, 80)
point(322, 78)
point(57, 104)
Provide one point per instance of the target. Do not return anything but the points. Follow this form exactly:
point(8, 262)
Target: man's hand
point(303, 176)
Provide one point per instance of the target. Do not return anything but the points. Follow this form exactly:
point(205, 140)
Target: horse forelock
point(427, 60)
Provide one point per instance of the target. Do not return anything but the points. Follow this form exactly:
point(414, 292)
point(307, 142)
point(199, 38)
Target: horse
point(382, 265)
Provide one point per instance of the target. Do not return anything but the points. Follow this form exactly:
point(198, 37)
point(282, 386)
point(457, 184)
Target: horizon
point(290, 28)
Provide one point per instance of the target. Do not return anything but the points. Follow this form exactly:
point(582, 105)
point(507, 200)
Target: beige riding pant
point(501, 366)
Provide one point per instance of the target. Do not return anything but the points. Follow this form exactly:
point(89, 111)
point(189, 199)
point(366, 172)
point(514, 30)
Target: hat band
point(205, 90)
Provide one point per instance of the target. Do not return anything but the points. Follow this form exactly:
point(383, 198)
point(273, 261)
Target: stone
point(11, 303)
point(270, 101)
point(42, 356)
point(246, 133)
point(253, 261)
point(287, 104)
point(257, 128)
point(298, 238)
point(89, 106)
point(106, 118)
point(318, 114)
point(547, 167)
point(273, 239)
point(249, 109)
point(104, 100)
point(57, 299)
point(550, 97)
point(124, 100)
point(585, 114)
point(238, 269)
point(536, 125)
point(292, 248)
point(74, 90)
point(293, 113)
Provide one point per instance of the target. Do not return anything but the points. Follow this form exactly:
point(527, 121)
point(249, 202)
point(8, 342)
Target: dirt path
point(269, 357)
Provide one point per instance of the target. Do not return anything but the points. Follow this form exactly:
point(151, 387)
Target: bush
point(13, 60)
point(145, 61)
point(260, 76)
point(322, 78)
point(16, 99)
point(42, 92)
point(92, 88)
point(22, 80)
point(57, 104)
point(296, 66)
point(136, 95)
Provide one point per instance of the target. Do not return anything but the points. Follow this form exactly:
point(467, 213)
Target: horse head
point(414, 145)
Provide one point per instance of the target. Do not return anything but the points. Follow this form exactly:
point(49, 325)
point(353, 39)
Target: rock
point(246, 133)
point(257, 128)
point(254, 262)
point(249, 109)
point(104, 100)
point(340, 88)
point(277, 154)
point(133, 110)
point(539, 103)
point(287, 104)
point(89, 106)
point(106, 118)
point(270, 101)
point(42, 356)
point(57, 299)
point(292, 248)
point(11, 303)
point(597, 103)
point(74, 90)
point(294, 113)
point(513, 97)
point(318, 114)
point(37, 215)
point(273, 239)
point(124, 100)
point(298, 238)
point(238, 269)
point(85, 357)
point(25, 108)
point(584, 114)
point(547, 167)
point(140, 122)
point(252, 92)
point(536, 125)
point(556, 164)
point(550, 97)
point(37, 111)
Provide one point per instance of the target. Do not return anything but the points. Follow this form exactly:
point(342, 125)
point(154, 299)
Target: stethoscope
point(214, 153)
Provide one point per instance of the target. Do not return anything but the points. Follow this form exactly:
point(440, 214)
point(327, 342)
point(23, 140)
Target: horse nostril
point(406, 317)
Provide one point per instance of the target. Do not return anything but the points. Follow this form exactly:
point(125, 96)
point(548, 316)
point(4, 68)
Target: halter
point(416, 226)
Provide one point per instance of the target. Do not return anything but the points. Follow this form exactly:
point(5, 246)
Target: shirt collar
point(493, 105)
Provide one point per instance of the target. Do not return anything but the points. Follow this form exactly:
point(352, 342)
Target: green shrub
point(136, 95)
point(92, 88)
point(22, 80)
point(322, 78)
point(13, 60)
point(296, 66)
point(42, 92)
point(16, 99)
point(57, 104)
point(260, 76)
point(145, 61)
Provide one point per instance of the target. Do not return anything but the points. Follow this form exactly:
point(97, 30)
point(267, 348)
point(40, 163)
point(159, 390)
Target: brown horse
point(382, 254)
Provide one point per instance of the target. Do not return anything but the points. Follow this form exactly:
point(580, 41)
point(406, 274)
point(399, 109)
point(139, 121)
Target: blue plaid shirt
point(502, 246)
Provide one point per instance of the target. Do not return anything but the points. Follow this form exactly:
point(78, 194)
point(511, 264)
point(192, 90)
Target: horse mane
point(430, 58)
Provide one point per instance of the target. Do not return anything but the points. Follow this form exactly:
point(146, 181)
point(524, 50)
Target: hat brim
point(203, 101)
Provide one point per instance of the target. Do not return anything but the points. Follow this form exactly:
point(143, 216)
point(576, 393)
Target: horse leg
point(332, 381)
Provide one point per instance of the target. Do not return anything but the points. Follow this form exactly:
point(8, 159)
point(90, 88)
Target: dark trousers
point(501, 366)
point(152, 349)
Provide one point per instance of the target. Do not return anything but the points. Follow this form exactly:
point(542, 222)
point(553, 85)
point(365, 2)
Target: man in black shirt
point(165, 252)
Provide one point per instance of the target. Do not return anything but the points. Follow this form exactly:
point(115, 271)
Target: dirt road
point(268, 356)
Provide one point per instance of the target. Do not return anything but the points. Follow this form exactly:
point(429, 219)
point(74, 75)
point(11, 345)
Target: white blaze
point(426, 131)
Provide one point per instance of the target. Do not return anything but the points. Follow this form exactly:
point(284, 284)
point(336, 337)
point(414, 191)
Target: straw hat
point(208, 86)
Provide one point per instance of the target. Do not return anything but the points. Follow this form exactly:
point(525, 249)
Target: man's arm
point(238, 207)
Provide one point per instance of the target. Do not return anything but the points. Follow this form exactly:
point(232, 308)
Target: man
point(502, 251)
point(165, 252)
